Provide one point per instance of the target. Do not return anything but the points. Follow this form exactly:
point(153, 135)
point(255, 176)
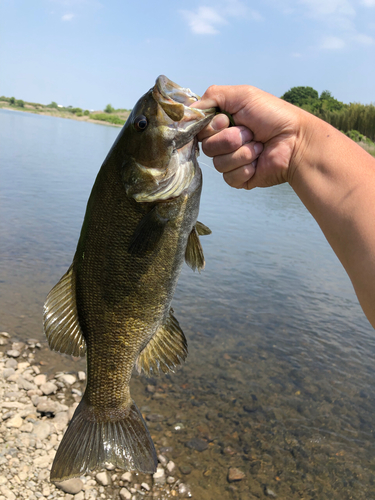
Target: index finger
point(218, 123)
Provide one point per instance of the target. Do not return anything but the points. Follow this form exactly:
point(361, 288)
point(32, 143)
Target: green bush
point(109, 109)
point(12, 100)
point(86, 112)
point(52, 105)
point(20, 103)
point(108, 118)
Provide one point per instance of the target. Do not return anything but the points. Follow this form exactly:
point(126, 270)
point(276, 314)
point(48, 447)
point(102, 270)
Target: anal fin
point(60, 318)
point(166, 349)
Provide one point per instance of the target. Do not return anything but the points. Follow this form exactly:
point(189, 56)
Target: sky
point(89, 53)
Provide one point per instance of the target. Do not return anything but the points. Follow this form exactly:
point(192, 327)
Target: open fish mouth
point(171, 90)
point(176, 101)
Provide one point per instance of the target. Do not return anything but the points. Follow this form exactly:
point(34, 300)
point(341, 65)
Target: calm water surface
point(280, 374)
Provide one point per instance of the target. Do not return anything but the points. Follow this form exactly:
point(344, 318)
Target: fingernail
point(246, 135)
point(258, 148)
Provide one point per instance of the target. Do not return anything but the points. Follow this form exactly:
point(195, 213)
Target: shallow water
point(280, 374)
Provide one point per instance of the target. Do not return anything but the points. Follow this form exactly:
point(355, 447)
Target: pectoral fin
point(166, 349)
point(61, 324)
point(148, 233)
point(194, 257)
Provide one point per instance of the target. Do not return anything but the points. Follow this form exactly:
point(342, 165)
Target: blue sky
point(89, 53)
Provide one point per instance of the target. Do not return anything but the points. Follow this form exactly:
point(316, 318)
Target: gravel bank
point(34, 413)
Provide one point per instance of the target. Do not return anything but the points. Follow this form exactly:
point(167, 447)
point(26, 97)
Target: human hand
point(259, 150)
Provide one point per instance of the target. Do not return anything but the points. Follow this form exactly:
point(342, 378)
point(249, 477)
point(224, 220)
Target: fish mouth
point(175, 102)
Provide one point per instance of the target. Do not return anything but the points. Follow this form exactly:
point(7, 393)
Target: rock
point(127, 476)
point(183, 489)
point(27, 427)
point(159, 476)
point(8, 372)
point(67, 378)
point(18, 346)
point(235, 474)
point(43, 475)
point(42, 430)
point(9, 495)
point(48, 407)
point(162, 460)
point(42, 462)
point(60, 421)
point(81, 376)
point(71, 486)
point(40, 379)
point(125, 494)
point(11, 363)
point(15, 421)
point(102, 478)
point(197, 444)
point(25, 384)
point(13, 353)
point(3, 480)
point(170, 480)
point(185, 469)
point(171, 467)
point(48, 388)
point(79, 496)
point(155, 417)
point(270, 493)
point(5, 335)
point(145, 486)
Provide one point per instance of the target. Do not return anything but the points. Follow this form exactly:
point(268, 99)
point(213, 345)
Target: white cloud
point(332, 43)
point(368, 3)
point(67, 17)
point(364, 39)
point(322, 8)
point(204, 21)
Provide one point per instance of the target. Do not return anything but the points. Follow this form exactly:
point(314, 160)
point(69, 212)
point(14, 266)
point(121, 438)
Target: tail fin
point(89, 444)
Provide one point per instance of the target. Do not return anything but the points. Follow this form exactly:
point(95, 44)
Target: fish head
point(160, 142)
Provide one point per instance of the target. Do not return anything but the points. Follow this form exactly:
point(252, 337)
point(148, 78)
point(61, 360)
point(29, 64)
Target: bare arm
point(275, 142)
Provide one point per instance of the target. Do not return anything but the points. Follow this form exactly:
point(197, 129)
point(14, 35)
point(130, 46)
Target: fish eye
point(140, 123)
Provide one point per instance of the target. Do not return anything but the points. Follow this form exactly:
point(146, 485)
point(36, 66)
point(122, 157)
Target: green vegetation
point(353, 117)
point(110, 115)
point(110, 118)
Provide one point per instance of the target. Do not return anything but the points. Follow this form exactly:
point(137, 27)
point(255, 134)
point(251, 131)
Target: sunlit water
point(280, 374)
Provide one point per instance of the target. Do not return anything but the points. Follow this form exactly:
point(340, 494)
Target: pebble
point(171, 466)
point(102, 478)
point(71, 486)
point(159, 476)
point(48, 388)
point(127, 476)
point(235, 474)
point(67, 378)
point(13, 353)
point(125, 494)
point(81, 376)
point(197, 444)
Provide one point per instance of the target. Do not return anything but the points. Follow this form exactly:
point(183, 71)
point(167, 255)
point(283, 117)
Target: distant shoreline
point(68, 116)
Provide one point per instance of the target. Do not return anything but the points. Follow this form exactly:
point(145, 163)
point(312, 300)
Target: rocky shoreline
point(35, 411)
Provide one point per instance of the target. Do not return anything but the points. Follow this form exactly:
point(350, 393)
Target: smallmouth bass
point(114, 302)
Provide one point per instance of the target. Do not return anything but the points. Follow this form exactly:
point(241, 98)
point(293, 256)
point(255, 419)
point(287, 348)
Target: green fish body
point(114, 302)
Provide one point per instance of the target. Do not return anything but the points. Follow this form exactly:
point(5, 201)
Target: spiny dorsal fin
point(166, 349)
point(148, 233)
point(61, 324)
point(194, 257)
point(202, 230)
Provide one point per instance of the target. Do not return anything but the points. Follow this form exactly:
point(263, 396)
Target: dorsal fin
point(194, 257)
point(202, 230)
point(61, 324)
point(166, 349)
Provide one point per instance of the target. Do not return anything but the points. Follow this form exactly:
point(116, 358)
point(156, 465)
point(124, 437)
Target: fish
point(114, 302)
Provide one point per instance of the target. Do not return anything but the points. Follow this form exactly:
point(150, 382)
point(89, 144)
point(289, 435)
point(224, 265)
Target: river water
point(280, 374)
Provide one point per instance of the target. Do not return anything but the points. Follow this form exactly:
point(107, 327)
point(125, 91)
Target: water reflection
point(280, 375)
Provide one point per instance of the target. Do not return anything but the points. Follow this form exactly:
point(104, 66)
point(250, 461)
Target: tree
point(300, 96)
point(52, 105)
point(109, 109)
point(12, 100)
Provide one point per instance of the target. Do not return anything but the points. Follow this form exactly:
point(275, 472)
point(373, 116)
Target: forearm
point(335, 179)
